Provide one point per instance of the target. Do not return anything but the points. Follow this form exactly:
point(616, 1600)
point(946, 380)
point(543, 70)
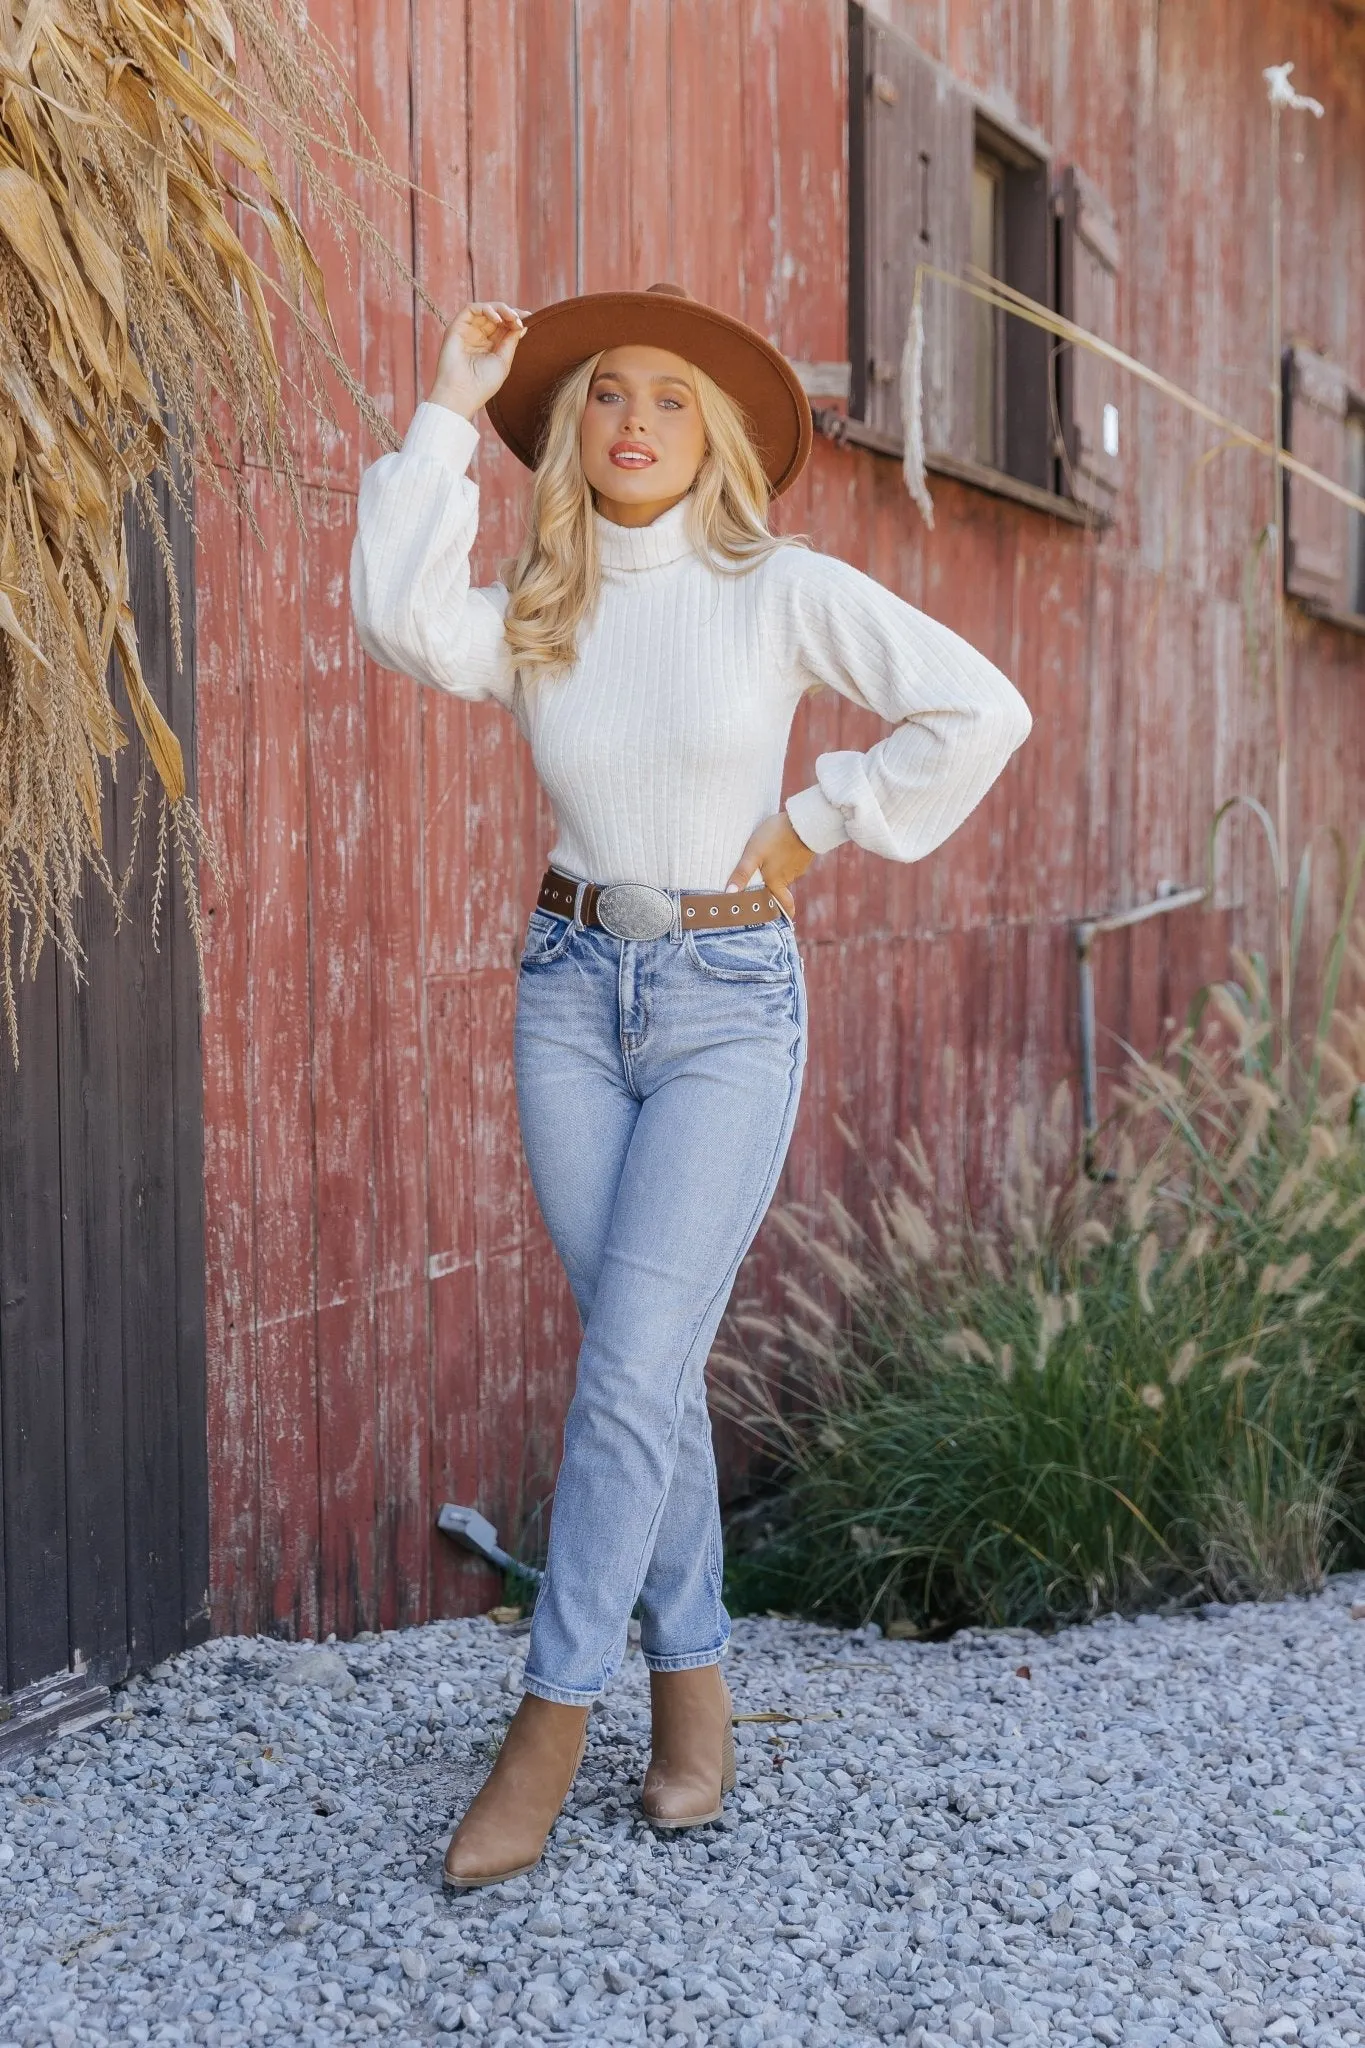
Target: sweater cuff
point(440, 435)
point(818, 822)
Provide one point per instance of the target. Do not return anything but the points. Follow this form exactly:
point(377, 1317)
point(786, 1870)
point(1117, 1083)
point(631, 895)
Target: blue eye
point(603, 396)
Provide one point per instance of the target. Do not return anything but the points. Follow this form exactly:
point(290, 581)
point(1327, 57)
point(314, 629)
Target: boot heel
point(727, 1760)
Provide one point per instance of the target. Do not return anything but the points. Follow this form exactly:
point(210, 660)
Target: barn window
point(1325, 540)
point(941, 179)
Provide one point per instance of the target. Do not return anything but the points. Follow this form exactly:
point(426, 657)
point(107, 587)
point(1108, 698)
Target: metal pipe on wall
point(1087, 930)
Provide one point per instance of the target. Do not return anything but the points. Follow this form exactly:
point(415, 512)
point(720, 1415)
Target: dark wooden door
point(103, 1479)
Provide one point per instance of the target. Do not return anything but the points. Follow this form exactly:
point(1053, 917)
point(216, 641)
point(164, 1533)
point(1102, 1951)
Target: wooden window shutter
point(1028, 350)
point(1317, 527)
point(1088, 388)
point(911, 158)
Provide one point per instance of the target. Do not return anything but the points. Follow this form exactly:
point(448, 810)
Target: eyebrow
point(664, 377)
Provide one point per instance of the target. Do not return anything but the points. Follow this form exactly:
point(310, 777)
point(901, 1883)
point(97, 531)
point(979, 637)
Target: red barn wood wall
point(387, 1325)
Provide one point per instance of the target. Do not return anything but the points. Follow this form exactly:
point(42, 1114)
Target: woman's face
point(641, 441)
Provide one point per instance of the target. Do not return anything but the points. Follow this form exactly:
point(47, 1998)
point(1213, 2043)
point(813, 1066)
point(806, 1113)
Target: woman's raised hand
point(476, 355)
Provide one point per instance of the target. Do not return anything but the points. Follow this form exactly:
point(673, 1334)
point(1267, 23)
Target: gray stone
point(308, 1667)
point(942, 1854)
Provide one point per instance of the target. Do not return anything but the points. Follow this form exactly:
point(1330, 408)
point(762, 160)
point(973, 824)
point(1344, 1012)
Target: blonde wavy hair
point(555, 579)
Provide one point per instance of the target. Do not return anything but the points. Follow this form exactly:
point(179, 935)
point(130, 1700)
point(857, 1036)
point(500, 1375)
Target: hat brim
point(747, 368)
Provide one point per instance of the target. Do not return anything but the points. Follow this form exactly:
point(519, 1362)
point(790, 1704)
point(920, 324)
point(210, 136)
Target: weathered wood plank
point(560, 224)
point(33, 1495)
point(87, 1130)
point(460, 1584)
point(625, 229)
point(330, 449)
point(394, 784)
point(497, 818)
point(183, 991)
point(233, 1380)
point(442, 259)
point(499, 1238)
point(147, 1149)
point(383, 89)
point(705, 130)
point(390, 48)
point(654, 246)
point(1100, 680)
point(279, 1070)
point(342, 1074)
point(807, 41)
point(393, 735)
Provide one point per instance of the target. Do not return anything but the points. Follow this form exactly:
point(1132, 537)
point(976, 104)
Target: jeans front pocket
point(761, 952)
point(547, 939)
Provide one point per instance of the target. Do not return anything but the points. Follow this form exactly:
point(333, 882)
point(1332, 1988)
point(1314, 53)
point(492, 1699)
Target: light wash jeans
point(657, 1085)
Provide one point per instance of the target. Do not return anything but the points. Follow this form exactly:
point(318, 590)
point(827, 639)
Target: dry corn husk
point(132, 319)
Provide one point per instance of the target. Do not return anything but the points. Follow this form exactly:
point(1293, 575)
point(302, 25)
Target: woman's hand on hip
point(780, 855)
point(476, 356)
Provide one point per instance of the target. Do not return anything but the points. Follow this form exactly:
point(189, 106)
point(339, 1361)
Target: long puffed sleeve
point(416, 518)
point(957, 719)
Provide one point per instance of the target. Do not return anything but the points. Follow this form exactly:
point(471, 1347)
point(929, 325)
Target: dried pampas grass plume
point(132, 320)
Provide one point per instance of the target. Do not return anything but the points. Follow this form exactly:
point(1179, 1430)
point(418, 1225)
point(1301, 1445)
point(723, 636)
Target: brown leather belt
point(633, 910)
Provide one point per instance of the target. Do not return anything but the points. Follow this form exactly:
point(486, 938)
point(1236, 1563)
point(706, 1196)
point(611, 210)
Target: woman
point(652, 640)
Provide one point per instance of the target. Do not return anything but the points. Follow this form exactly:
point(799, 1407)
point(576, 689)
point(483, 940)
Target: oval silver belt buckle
point(635, 910)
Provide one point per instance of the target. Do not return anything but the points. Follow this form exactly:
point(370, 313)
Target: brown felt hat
point(747, 368)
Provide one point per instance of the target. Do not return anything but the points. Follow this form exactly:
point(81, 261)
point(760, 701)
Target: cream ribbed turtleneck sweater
point(662, 748)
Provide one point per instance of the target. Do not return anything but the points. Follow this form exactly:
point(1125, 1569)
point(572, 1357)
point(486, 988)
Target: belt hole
point(714, 908)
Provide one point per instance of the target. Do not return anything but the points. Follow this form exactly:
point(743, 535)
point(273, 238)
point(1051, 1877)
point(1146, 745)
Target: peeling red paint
point(387, 1325)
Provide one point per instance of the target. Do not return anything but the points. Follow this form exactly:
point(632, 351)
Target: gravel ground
point(1153, 1832)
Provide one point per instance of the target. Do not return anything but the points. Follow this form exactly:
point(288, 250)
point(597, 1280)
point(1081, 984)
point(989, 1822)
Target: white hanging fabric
point(912, 407)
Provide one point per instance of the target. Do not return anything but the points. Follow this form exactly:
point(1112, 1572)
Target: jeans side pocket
point(547, 939)
point(763, 952)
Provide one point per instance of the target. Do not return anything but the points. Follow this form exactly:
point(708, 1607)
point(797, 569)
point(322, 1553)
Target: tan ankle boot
point(692, 1765)
point(504, 1831)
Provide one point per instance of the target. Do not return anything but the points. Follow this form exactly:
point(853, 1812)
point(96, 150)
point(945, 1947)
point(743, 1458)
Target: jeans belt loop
point(578, 895)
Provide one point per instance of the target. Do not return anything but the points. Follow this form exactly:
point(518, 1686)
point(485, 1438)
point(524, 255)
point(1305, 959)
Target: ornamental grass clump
point(1138, 1389)
point(136, 336)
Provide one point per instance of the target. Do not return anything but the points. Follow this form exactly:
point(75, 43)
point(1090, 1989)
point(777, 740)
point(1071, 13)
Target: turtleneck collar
point(664, 540)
